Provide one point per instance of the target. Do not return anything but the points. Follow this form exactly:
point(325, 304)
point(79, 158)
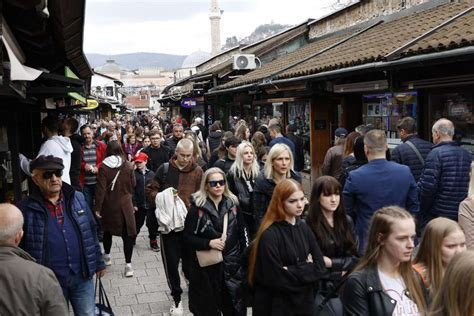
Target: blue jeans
point(80, 293)
point(89, 194)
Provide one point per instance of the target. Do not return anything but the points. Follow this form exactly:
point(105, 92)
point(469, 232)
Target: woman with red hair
point(285, 261)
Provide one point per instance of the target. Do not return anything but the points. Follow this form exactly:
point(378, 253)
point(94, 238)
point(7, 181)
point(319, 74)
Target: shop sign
point(189, 103)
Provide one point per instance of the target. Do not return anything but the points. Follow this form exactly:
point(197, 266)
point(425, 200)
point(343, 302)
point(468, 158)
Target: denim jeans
point(89, 194)
point(80, 293)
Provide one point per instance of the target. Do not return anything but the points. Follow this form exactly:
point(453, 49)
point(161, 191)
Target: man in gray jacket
point(26, 288)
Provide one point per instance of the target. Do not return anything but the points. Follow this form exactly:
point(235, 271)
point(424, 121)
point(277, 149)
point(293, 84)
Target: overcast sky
point(182, 26)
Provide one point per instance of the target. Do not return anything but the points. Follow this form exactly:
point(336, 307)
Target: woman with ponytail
point(285, 261)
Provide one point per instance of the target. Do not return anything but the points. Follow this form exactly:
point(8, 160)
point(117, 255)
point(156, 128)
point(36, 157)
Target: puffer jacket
point(35, 228)
point(444, 182)
point(364, 294)
point(404, 154)
point(263, 192)
point(214, 140)
point(201, 226)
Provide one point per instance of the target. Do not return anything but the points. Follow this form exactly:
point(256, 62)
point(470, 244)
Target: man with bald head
point(444, 182)
point(26, 288)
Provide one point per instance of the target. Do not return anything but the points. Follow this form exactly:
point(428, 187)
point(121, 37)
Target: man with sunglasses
point(60, 233)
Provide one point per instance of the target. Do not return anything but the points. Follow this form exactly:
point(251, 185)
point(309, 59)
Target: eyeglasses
point(214, 183)
point(49, 174)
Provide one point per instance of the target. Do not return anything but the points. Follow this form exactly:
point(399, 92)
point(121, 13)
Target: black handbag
point(330, 304)
point(103, 307)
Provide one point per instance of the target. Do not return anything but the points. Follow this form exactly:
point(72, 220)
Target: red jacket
point(99, 154)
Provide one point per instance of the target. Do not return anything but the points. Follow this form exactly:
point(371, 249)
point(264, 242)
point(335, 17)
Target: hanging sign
point(189, 103)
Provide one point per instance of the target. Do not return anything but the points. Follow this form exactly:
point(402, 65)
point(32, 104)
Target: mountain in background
point(261, 32)
point(139, 60)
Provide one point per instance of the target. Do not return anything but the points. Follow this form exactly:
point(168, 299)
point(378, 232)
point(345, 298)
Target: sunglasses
point(49, 174)
point(214, 183)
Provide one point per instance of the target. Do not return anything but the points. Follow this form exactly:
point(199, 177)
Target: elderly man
point(444, 182)
point(26, 288)
point(377, 184)
point(178, 133)
point(332, 165)
point(60, 233)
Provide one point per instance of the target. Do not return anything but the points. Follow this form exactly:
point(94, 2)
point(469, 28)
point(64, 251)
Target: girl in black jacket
point(385, 283)
point(285, 261)
point(334, 232)
point(241, 178)
point(216, 289)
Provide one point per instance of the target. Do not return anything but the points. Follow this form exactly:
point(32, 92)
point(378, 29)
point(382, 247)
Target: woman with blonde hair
point(466, 213)
point(456, 294)
point(241, 178)
point(279, 166)
point(442, 239)
point(216, 288)
point(384, 282)
point(285, 261)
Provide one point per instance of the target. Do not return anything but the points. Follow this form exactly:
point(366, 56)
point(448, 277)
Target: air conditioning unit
point(244, 62)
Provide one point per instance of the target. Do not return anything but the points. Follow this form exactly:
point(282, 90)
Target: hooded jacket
point(291, 291)
point(60, 147)
point(186, 180)
point(113, 200)
point(27, 287)
point(202, 225)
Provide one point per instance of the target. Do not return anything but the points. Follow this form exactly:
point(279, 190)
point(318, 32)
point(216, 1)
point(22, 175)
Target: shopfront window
point(266, 112)
point(384, 111)
point(457, 107)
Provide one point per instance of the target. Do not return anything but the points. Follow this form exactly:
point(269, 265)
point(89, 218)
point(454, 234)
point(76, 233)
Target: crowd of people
point(382, 233)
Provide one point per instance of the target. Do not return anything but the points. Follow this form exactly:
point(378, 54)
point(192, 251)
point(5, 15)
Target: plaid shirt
point(56, 209)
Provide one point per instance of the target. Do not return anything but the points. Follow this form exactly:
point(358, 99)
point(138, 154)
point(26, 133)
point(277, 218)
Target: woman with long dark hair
point(113, 202)
point(384, 282)
point(216, 289)
point(334, 232)
point(285, 261)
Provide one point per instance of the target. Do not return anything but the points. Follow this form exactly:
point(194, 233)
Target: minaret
point(215, 18)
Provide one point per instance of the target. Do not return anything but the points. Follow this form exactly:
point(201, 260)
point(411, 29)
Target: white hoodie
point(60, 147)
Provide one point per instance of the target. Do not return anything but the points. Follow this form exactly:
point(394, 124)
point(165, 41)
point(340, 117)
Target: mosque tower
point(215, 17)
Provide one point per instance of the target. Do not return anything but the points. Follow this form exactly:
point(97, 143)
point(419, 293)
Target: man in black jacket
point(299, 146)
point(156, 152)
point(231, 144)
point(178, 134)
point(143, 207)
point(414, 150)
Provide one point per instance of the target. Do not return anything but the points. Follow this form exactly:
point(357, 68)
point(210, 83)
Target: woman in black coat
point(285, 261)
point(216, 289)
point(278, 166)
point(241, 178)
point(335, 234)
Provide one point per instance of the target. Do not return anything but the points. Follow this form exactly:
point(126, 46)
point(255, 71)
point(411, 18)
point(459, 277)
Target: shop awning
point(70, 74)
point(18, 71)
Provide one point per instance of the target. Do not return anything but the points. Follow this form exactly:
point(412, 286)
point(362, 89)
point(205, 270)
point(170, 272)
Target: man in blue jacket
point(445, 179)
point(377, 184)
point(60, 233)
point(414, 150)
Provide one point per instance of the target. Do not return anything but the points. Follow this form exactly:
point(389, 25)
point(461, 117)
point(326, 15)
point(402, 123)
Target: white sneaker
point(107, 260)
point(177, 310)
point(128, 271)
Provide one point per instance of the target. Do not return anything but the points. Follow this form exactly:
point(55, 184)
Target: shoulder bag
point(212, 256)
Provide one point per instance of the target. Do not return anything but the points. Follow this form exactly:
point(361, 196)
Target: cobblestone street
point(147, 292)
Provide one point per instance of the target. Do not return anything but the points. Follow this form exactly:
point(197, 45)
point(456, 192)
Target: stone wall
point(364, 11)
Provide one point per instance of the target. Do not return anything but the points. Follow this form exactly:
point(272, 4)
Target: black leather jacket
point(243, 190)
point(364, 294)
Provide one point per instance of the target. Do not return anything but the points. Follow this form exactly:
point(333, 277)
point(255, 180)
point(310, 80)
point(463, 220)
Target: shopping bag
point(102, 307)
